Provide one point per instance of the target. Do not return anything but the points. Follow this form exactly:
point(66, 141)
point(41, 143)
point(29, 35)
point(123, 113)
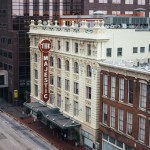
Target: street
point(14, 136)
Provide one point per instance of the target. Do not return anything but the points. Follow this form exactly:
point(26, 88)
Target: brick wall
point(131, 141)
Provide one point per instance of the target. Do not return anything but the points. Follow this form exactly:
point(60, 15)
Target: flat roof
point(141, 66)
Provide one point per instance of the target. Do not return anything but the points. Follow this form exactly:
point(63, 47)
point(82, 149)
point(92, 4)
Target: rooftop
point(139, 65)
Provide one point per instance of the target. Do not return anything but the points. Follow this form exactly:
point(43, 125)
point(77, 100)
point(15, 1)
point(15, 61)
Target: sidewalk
point(42, 130)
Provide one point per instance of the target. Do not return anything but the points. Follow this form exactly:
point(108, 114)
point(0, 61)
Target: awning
point(53, 115)
point(34, 106)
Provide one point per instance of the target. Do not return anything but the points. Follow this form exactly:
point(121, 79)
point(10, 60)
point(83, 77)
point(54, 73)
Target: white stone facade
point(92, 45)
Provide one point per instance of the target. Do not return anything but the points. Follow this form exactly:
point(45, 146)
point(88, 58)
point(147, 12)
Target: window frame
point(88, 92)
point(88, 114)
point(108, 52)
point(143, 96)
point(129, 123)
point(89, 71)
point(119, 52)
point(105, 113)
point(76, 88)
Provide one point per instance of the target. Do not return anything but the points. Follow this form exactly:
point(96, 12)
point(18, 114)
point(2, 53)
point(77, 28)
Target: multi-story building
point(70, 72)
point(113, 7)
point(124, 105)
point(15, 16)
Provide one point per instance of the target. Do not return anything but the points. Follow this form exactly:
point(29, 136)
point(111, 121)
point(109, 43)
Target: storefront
point(53, 118)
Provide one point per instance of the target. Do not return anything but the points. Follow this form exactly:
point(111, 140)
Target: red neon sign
point(45, 46)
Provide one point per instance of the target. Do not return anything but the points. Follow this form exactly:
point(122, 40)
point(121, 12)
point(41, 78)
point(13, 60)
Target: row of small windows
point(67, 85)
point(121, 121)
point(5, 53)
point(76, 47)
point(121, 85)
point(139, 2)
point(119, 51)
point(67, 65)
point(6, 66)
point(4, 40)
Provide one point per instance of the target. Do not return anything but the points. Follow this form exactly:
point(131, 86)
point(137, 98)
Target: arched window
point(67, 65)
point(51, 61)
point(59, 63)
point(76, 67)
point(35, 57)
point(89, 71)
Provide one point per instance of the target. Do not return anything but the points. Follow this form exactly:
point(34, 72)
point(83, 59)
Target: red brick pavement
point(50, 135)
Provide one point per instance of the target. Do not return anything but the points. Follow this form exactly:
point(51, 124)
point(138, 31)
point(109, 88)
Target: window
point(76, 88)
point(130, 93)
point(88, 92)
point(141, 128)
point(58, 100)
point(91, 1)
point(142, 49)
point(89, 71)
point(103, 1)
point(113, 87)
point(128, 12)
point(51, 61)
point(9, 41)
point(58, 44)
point(116, 1)
point(128, 1)
point(89, 49)
point(76, 67)
point(108, 52)
point(51, 79)
point(59, 82)
point(115, 12)
point(51, 97)
point(35, 57)
point(76, 108)
point(91, 12)
point(120, 119)
point(67, 85)
point(88, 114)
point(2, 80)
point(105, 85)
point(67, 104)
point(76, 46)
point(67, 65)
point(119, 52)
point(9, 54)
point(67, 46)
point(141, 2)
point(129, 123)
point(112, 116)
point(35, 74)
point(105, 114)
point(36, 90)
point(143, 95)
point(121, 89)
point(59, 63)
point(135, 50)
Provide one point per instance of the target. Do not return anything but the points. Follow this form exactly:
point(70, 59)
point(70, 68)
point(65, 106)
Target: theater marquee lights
point(45, 46)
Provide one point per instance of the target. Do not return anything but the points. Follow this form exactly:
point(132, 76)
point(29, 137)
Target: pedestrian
point(65, 136)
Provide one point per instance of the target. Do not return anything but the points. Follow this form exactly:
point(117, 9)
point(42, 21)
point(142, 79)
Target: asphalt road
point(14, 136)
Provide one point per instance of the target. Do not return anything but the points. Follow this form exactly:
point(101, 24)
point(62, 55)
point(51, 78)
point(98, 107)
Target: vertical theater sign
point(45, 46)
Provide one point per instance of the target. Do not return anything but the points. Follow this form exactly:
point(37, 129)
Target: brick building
point(116, 6)
point(125, 106)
